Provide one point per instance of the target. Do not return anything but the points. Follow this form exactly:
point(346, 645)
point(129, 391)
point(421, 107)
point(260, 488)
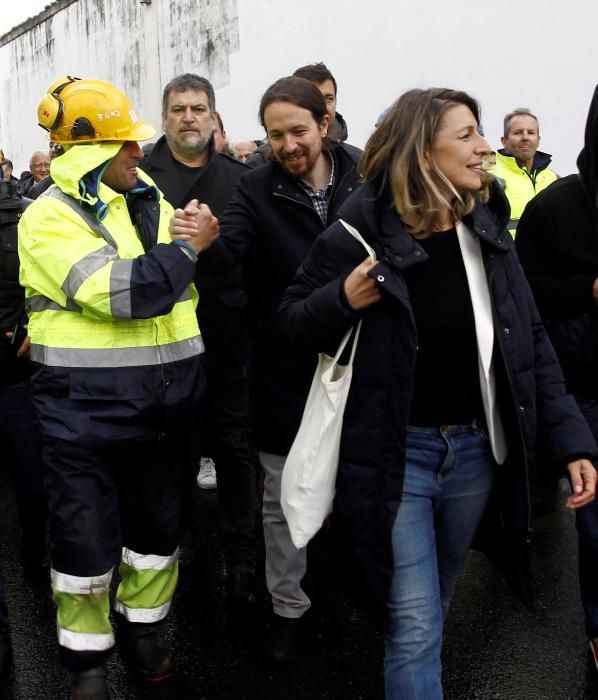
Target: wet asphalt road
point(494, 648)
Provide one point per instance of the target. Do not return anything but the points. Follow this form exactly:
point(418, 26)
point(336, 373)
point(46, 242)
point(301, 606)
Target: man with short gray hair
point(520, 167)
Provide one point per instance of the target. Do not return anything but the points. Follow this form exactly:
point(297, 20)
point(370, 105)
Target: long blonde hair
point(395, 157)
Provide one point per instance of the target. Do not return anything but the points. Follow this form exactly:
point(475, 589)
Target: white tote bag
point(309, 474)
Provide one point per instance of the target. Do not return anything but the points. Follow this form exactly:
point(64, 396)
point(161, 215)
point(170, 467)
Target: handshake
point(195, 225)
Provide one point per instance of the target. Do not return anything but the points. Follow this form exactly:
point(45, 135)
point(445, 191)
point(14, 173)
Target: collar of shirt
point(320, 198)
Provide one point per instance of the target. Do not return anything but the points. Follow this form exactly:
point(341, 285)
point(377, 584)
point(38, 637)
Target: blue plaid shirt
point(321, 198)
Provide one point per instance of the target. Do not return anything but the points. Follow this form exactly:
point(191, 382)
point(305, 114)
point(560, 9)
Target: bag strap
point(355, 233)
point(357, 328)
point(345, 340)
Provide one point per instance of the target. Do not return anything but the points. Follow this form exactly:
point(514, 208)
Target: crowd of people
point(163, 309)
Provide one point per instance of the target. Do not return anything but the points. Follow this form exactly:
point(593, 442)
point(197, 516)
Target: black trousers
point(228, 441)
point(19, 432)
point(101, 499)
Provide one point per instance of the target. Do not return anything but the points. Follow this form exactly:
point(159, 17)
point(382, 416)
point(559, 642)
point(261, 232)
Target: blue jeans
point(586, 520)
point(449, 474)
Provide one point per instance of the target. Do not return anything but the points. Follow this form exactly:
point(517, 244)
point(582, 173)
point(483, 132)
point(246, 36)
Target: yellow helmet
point(76, 110)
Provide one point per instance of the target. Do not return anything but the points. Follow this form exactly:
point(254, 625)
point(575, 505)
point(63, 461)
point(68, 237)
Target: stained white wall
point(137, 47)
point(541, 54)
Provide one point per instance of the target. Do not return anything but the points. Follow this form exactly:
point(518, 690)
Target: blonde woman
point(454, 379)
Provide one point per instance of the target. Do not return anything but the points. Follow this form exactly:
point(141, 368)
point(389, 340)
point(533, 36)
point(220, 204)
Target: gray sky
point(15, 12)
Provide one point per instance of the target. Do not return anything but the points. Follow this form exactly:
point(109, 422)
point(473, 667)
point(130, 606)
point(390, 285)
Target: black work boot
point(140, 646)
point(282, 638)
point(90, 684)
point(240, 589)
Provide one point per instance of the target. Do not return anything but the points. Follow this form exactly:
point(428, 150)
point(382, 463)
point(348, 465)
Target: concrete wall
point(508, 54)
point(136, 46)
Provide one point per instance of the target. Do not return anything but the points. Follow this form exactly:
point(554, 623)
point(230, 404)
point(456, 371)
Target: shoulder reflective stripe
point(84, 641)
point(120, 288)
point(80, 585)
point(142, 614)
point(117, 357)
point(84, 268)
point(85, 214)
point(149, 561)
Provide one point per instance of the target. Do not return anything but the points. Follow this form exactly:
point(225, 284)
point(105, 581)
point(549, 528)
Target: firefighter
point(116, 373)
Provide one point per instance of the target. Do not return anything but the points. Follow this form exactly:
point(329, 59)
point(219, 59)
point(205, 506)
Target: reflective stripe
point(80, 585)
point(42, 303)
point(148, 561)
point(142, 614)
point(84, 268)
point(512, 224)
point(120, 288)
point(84, 641)
point(187, 295)
point(117, 357)
point(86, 214)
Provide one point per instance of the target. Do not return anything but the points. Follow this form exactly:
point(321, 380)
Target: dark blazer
point(532, 397)
point(271, 225)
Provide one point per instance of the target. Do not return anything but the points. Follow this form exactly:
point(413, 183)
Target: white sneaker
point(206, 478)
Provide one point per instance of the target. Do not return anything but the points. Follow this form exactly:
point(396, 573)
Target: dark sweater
point(446, 386)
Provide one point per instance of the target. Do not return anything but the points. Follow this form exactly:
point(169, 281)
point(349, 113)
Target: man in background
point(520, 167)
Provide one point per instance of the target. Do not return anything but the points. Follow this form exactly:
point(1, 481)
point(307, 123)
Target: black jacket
point(271, 225)
point(531, 392)
point(557, 243)
point(12, 296)
point(221, 308)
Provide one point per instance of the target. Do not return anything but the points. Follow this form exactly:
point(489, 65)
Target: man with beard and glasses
point(186, 165)
point(277, 212)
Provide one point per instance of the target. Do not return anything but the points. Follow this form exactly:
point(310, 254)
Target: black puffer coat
point(531, 393)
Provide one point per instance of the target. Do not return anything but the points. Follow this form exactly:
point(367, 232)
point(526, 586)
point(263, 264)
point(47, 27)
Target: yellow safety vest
point(520, 186)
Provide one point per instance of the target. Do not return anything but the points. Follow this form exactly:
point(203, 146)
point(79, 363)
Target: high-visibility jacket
point(111, 306)
point(520, 185)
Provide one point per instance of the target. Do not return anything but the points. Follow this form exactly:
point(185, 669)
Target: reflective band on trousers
point(142, 614)
point(85, 641)
point(80, 585)
point(154, 562)
point(117, 357)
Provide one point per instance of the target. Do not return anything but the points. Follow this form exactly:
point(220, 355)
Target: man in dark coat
point(557, 242)
point(276, 214)
point(185, 165)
